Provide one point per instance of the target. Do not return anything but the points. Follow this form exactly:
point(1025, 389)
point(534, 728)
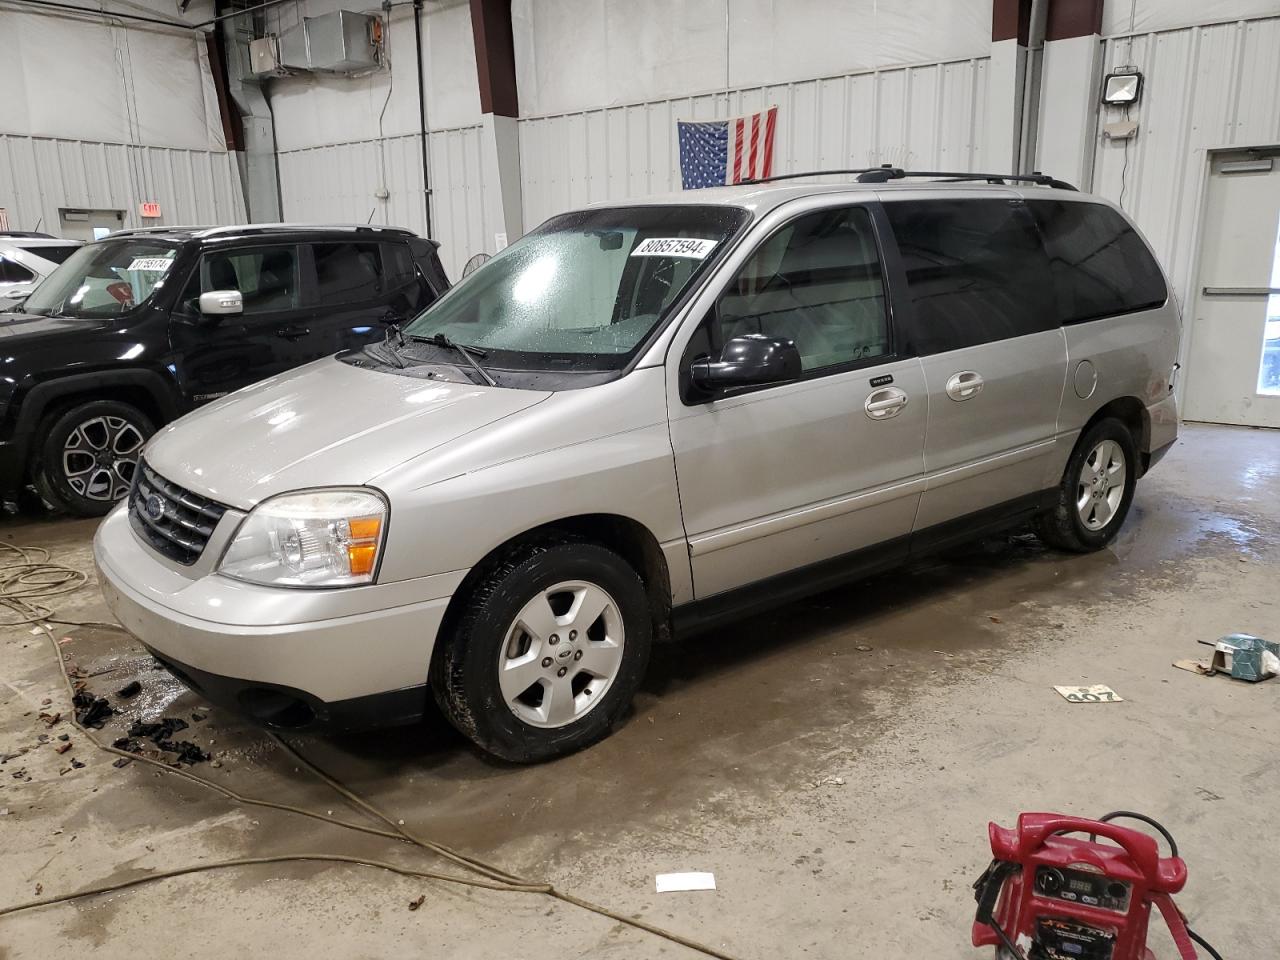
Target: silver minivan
point(637, 421)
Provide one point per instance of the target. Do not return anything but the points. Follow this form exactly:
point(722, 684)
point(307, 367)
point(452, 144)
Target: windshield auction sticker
point(674, 247)
point(150, 264)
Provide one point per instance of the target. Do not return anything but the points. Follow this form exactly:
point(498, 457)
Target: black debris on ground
point(131, 689)
point(160, 732)
point(197, 717)
point(122, 762)
point(156, 730)
point(187, 751)
point(91, 711)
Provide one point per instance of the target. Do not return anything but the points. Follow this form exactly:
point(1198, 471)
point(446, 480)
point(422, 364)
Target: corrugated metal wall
point(929, 116)
point(38, 176)
point(338, 184)
point(1205, 88)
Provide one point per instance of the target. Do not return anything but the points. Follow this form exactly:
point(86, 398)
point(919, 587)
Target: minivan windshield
point(584, 290)
point(104, 279)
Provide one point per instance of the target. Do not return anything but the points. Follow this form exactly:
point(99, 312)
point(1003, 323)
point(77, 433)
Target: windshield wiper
point(394, 341)
point(469, 353)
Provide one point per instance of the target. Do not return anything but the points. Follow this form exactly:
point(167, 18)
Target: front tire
point(89, 454)
point(1096, 490)
point(547, 653)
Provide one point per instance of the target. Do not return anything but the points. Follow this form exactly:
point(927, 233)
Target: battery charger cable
point(30, 579)
point(1173, 850)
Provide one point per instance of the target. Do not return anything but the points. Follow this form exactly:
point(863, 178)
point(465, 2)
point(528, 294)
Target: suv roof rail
point(245, 228)
point(271, 227)
point(887, 172)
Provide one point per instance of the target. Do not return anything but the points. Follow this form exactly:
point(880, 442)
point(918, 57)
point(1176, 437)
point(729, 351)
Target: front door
point(1233, 359)
point(781, 477)
point(220, 354)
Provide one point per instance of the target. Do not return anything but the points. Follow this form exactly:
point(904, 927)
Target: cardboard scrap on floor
point(1238, 655)
point(1097, 693)
point(679, 882)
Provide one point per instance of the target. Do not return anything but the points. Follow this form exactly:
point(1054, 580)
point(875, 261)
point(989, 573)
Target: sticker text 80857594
point(674, 247)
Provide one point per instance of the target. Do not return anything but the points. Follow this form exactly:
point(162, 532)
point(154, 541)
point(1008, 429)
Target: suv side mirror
point(744, 361)
point(219, 303)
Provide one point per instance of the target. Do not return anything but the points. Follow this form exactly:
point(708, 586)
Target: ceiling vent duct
point(342, 42)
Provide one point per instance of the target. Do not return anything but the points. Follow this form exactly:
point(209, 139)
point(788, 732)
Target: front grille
point(176, 522)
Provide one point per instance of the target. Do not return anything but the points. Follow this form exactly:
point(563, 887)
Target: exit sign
point(150, 209)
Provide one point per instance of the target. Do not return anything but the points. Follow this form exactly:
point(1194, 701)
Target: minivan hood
point(325, 424)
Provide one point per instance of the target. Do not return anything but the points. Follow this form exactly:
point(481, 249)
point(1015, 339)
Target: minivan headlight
point(320, 538)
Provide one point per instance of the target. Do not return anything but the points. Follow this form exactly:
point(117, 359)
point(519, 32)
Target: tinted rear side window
point(53, 254)
point(11, 272)
point(347, 272)
point(1100, 265)
point(976, 271)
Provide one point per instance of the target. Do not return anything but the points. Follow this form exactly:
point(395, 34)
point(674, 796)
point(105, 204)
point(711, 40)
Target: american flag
point(716, 152)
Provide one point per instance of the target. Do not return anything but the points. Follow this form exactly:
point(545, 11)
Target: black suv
point(137, 329)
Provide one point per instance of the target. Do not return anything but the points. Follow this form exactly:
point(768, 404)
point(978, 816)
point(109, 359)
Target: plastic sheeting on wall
point(314, 110)
point(77, 78)
point(928, 116)
point(573, 55)
point(1146, 16)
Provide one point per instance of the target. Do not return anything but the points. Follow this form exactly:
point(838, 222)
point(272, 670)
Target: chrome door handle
point(964, 385)
point(885, 403)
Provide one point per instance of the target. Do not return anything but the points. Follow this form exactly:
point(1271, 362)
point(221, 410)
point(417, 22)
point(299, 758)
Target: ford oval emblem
point(153, 507)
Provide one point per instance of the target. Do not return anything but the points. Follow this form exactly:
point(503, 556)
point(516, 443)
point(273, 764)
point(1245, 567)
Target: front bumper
point(352, 657)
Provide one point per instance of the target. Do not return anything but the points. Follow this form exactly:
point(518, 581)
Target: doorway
point(89, 225)
point(1233, 361)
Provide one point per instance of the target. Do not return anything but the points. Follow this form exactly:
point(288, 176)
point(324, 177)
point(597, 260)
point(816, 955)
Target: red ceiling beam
point(495, 57)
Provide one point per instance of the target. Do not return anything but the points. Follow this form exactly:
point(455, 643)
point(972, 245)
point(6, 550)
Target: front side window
point(347, 272)
point(976, 271)
point(105, 279)
point(1100, 265)
point(584, 290)
point(267, 278)
point(817, 282)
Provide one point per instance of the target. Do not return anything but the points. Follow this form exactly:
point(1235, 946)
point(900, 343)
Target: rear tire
point(1095, 492)
point(90, 451)
point(547, 653)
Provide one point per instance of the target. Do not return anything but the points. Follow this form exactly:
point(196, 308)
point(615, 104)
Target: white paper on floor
point(676, 882)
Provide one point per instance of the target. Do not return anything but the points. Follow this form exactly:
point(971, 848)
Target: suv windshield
point(104, 279)
point(584, 289)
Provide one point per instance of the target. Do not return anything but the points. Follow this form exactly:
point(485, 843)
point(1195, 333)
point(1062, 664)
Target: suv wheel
point(1096, 490)
point(89, 455)
point(548, 652)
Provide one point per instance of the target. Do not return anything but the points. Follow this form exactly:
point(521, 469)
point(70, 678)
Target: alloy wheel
point(1100, 488)
point(561, 654)
point(100, 456)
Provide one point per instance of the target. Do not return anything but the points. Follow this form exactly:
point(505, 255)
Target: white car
point(25, 261)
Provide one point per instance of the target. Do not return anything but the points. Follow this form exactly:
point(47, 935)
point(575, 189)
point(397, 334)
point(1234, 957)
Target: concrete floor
point(840, 795)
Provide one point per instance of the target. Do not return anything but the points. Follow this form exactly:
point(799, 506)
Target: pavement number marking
point(1098, 693)
point(674, 247)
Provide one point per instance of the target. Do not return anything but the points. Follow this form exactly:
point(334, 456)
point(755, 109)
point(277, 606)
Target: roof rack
point(261, 228)
point(887, 172)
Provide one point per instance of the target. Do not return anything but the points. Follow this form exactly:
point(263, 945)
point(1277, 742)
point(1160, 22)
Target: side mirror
point(744, 361)
point(220, 303)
